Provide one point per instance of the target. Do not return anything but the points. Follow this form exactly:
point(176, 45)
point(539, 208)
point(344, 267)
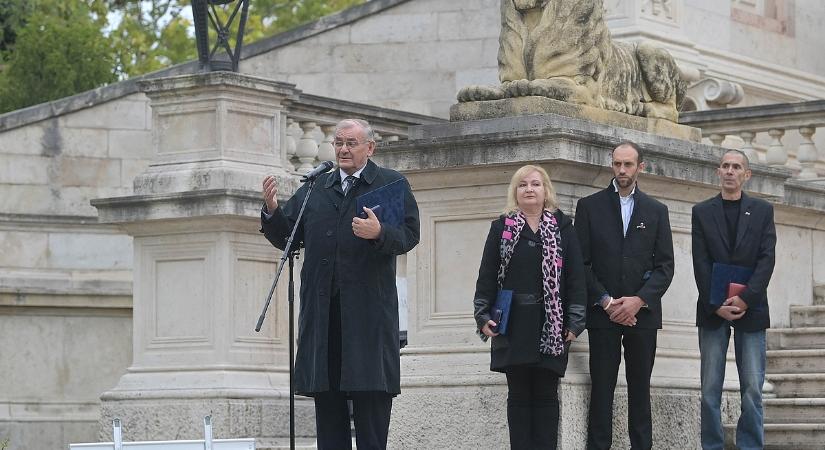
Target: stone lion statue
point(562, 49)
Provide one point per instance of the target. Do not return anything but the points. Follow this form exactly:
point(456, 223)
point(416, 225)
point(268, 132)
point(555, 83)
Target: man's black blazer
point(640, 263)
point(755, 246)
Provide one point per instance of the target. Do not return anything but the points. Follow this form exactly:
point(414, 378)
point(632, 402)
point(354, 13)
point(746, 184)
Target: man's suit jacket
point(640, 263)
point(754, 248)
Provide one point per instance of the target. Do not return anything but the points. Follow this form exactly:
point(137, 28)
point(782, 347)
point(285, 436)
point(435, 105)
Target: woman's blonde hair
point(550, 201)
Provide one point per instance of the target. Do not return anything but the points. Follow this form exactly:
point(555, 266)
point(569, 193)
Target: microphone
point(324, 167)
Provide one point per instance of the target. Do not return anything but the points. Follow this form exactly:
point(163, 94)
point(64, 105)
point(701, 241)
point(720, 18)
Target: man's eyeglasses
point(350, 143)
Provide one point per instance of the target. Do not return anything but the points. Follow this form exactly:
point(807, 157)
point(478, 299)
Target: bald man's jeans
point(749, 348)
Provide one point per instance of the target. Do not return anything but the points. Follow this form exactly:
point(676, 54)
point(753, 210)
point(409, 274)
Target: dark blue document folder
point(390, 200)
point(501, 310)
point(722, 276)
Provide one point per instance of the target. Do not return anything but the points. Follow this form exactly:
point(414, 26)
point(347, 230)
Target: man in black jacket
point(735, 229)
point(348, 338)
point(627, 248)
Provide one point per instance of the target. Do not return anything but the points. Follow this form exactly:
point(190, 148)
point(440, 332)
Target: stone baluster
point(747, 147)
point(326, 152)
point(777, 154)
point(307, 148)
point(807, 154)
point(318, 135)
point(716, 139)
point(291, 142)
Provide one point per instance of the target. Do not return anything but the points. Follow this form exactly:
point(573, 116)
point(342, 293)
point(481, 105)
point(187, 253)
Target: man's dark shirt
point(731, 208)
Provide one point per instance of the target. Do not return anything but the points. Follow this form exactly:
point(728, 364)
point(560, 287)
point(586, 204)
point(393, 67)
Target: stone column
point(202, 269)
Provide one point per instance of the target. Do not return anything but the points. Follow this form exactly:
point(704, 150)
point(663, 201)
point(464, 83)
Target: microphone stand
point(289, 253)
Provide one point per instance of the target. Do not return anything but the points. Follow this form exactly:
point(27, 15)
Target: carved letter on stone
point(562, 49)
point(658, 8)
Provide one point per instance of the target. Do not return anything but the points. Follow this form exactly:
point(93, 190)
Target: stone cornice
point(37, 287)
point(55, 108)
point(88, 99)
point(766, 77)
point(179, 83)
point(29, 220)
point(225, 209)
point(562, 139)
point(757, 118)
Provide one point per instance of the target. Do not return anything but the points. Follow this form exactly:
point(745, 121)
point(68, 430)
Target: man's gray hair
point(363, 124)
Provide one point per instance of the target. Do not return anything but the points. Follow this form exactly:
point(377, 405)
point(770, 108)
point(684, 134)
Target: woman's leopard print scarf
point(552, 341)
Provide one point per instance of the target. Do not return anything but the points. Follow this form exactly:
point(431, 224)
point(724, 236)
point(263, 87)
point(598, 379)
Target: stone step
point(808, 316)
point(795, 436)
point(285, 446)
point(796, 338)
point(784, 446)
point(301, 443)
point(796, 361)
point(794, 410)
point(797, 385)
point(785, 436)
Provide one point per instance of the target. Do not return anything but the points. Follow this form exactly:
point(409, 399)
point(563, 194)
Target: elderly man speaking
point(348, 338)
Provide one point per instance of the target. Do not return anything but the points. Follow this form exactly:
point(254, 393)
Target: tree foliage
point(55, 55)
point(151, 35)
point(55, 48)
point(12, 18)
point(282, 15)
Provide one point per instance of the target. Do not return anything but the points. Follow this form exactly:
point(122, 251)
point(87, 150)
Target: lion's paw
point(516, 88)
point(478, 93)
point(655, 110)
point(556, 88)
point(567, 90)
point(613, 105)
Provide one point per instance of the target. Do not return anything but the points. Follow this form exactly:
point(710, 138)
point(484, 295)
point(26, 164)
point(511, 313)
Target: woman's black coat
point(363, 271)
point(524, 276)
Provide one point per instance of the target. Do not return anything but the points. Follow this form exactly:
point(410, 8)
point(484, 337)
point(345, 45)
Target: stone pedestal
point(202, 269)
point(533, 105)
point(459, 172)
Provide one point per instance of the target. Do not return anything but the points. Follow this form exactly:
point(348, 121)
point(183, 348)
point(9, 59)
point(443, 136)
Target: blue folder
point(501, 310)
point(390, 202)
point(722, 276)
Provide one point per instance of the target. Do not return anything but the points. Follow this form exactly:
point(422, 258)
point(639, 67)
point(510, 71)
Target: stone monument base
point(478, 417)
point(265, 419)
point(460, 173)
point(532, 105)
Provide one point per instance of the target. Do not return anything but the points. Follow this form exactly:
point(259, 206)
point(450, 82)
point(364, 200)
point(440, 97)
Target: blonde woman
point(532, 250)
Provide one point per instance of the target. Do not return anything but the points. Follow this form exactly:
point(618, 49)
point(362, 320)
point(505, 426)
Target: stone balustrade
point(771, 124)
point(310, 127)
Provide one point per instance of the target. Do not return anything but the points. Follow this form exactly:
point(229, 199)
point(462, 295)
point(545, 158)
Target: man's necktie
point(349, 182)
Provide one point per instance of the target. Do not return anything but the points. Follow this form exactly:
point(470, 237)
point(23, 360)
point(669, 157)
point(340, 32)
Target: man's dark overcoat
point(754, 248)
point(640, 263)
point(362, 271)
